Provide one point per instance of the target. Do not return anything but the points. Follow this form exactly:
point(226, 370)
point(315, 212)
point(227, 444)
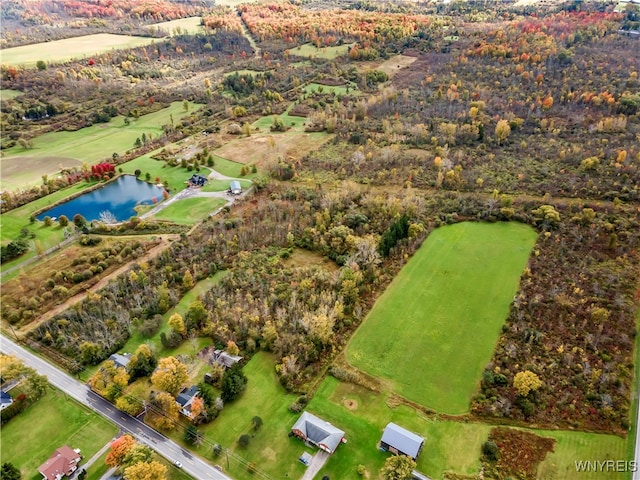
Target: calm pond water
point(118, 197)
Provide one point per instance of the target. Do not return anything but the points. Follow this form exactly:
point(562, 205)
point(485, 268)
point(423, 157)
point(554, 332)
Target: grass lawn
point(14, 220)
point(21, 167)
point(264, 123)
point(444, 311)
point(6, 94)
point(98, 469)
point(190, 210)
point(190, 25)
point(69, 48)
point(176, 176)
point(270, 449)
point(222, 185)
point(55, 420)
point(229, 168)
point(309, 50)
point(449, 445)
point(572, 447)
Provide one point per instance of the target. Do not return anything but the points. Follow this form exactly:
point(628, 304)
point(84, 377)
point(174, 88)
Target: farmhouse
point(235, 188)
point(63, 462)
point(120, 360)
point(197, 180)
point(185, 399)
point(400, 441)
point(5, 400)
point(317, 432)
point(225, 359)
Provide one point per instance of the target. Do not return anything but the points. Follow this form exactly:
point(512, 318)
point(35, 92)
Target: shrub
point(244, 440)
point(490, 450)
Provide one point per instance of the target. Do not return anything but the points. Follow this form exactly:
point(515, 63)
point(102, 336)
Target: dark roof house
point(197, 180)
point(400, 441)
point(63, 462)
point(120, 360)
point(185, 399)
point(5, 400)
point(225, 359)
point(317, 432)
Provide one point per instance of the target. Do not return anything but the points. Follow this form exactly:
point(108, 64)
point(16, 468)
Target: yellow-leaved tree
point(169, 376)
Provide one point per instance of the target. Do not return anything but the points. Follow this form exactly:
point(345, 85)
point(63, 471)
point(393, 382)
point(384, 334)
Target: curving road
point(192, 465)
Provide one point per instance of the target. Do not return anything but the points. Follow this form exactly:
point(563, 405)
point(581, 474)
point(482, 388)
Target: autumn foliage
point(119, 449)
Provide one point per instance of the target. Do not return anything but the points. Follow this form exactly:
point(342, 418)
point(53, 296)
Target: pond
point(117, 198)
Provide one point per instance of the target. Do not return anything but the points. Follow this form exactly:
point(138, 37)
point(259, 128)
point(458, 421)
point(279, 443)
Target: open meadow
point(433, 330)
point(189, 211)
point(311, 51)
point(21, 167)
point(71, 48)
point(189, 25)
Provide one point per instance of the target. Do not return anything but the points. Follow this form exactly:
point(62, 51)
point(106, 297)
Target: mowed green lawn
point(70, 48)
point(449, 445)
point(434, 329)
point(270, 449)
point(53, 421)
point(22, 167)
point(190, 210)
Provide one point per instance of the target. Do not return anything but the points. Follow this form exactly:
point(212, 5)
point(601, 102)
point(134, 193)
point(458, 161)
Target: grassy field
point(324, 89)
point(449, 445)
point(190, 25)
point(391, 66)
point(190, 210)
point(229, 168)
point(264, 123)
point(244, 72)
point(444, 311)
point(27, 440)
point(22, 167)
point(70, 48)
point(6, 94)
point(309, 50)
point(176, 176)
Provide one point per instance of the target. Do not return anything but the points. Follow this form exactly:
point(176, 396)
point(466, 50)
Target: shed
point(5, 400)
point(235, 187)
point(401, 441)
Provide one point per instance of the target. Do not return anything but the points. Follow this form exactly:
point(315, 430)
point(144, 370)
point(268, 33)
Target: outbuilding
point(401, 441)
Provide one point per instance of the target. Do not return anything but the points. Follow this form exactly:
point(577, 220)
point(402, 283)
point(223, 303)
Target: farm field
point(71, 48)
point(27, 441)
point(444, 311)
point(22, 167)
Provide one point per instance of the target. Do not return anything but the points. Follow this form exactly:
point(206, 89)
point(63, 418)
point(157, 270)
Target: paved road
point(192, 465)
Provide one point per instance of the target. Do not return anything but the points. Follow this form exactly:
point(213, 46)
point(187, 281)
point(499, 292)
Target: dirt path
point(165, 242)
